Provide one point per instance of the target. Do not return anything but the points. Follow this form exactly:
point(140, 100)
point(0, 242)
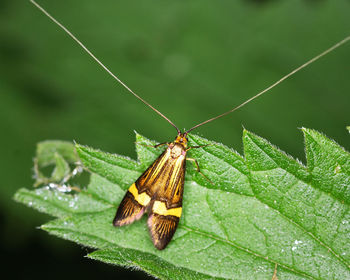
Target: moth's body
point(158, 191)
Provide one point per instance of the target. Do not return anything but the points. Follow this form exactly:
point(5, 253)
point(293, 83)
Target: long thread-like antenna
point(332, 48)
point(100, 63)
point(275, 84)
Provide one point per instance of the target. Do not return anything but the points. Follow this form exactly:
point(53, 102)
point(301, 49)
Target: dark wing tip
point(128, 211)
point(162, 229)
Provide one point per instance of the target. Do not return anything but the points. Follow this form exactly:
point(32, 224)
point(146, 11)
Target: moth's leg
point(199, 170)
point(161, 144)
point(152, 146)
point(197, 147)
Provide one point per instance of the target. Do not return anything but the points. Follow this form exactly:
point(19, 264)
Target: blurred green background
point(190, 59)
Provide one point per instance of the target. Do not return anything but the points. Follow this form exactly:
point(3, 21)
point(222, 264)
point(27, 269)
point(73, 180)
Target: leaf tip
point(313, 133)
point(250, 135)
point(43, 227)
point(308, 132)
point(245, 132)
point(138, 136)
point(77, 145)
point(17, 195)
point(80, 148)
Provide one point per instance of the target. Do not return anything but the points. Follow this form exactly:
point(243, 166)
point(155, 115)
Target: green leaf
point(46, 151)
point(57, 153)
point(61, 169)
point(264, 209)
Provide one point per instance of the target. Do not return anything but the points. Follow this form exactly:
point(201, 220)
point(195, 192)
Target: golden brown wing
point(137, 197)
point(166, 205)
point(132, 207)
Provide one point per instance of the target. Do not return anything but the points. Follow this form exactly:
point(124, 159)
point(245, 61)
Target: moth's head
point(181, 139)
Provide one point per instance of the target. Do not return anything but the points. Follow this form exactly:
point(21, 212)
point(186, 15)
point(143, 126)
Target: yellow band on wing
point(143, 198)
point(160, 208)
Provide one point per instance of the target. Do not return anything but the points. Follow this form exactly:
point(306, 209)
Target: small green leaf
point(61, 169)
point(264, 209)
point(53, 153)
point(46, 151)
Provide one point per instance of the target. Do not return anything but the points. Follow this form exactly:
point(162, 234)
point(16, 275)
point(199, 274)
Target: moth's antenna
point(100, 63)
point(275, 84)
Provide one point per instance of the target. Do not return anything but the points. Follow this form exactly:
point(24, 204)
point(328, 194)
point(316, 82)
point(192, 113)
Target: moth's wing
point(137, 197)
point(132, 207)
point(162, 228)
point(166, 205)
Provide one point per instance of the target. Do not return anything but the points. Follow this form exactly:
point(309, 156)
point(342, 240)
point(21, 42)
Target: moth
point(159, 190)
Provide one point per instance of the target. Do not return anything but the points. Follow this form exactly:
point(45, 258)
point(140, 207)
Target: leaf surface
point(264, 209)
